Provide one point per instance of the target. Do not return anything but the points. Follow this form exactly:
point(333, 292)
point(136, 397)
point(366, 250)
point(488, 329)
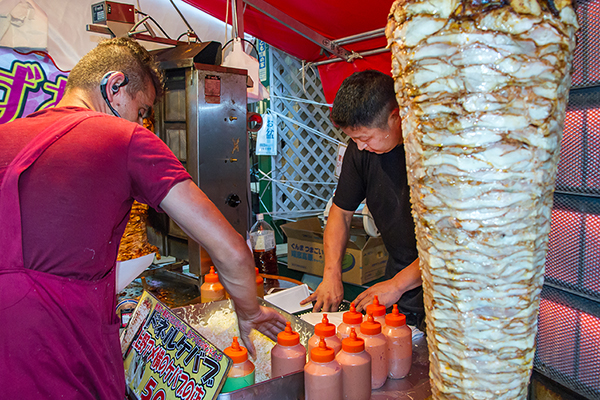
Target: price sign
point(166, 359)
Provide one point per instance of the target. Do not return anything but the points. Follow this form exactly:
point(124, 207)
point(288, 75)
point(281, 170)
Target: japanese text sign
point(166, 359)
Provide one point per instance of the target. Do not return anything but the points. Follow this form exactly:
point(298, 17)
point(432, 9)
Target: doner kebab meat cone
point(482, 88)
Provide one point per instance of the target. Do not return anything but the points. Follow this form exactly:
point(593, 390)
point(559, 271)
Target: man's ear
point(114, 83)
point(394, 118)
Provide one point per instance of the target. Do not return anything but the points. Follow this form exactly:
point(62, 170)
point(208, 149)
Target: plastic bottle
point(260, 285)
point(378, 310)
point(399, 344)
point(322, 375)
point(241, 373)
point(211, 289)
point(262, 239)
point(288, 355)
point(376, 346)
point(350, 319)
point(356, 368)
point(326, 330)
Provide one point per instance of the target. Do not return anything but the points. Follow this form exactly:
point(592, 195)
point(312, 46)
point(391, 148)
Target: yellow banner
point(166, 359)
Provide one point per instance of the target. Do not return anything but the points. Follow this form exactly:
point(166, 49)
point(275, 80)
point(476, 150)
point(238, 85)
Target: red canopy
point(332, 19)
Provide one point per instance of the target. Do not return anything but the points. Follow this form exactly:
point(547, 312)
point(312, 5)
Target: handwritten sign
point(166, 359)
point(266, 137)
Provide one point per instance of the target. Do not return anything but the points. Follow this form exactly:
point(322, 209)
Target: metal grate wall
point(303, 170)
point(568, 341)
point(586, 60)
point(568, 338)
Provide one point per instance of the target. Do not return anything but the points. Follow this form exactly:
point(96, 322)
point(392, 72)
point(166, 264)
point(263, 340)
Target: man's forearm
point(409, 278)
point(335, 239)
point(203, 222)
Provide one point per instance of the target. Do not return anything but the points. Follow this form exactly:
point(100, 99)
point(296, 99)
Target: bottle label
point(236, 383)
point(262, 242)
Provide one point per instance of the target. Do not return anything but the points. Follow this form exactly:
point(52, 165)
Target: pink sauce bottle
point(326, 330)
point(378, 310)
point(399, 344)
point(288, 355)
point(356, 368)
point(376, 346)
point(351, 319)
point(322, 374)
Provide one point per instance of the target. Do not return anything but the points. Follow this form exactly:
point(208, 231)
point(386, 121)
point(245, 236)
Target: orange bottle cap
point(237, 353)
point(395, 318)
point(352, 316)
point(259, 279)
point(325, 328)
point(322, 353)
point(353, 344)
point(370, 326)
point(288, 337)
point(376, 309)
point(211, 277)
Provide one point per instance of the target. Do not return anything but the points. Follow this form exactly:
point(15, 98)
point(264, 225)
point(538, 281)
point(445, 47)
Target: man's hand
point(390, 291)
point(387, 292)
point(268, 321)
point(327, 297)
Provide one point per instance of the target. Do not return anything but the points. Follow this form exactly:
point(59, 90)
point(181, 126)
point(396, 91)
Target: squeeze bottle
point(288, 355)
point(399, 344)
point(376, 346)
point(211, 289)
point(350, 319)
point(356, 368)
point(322, 374)
point(241, 373)
point(325, 330)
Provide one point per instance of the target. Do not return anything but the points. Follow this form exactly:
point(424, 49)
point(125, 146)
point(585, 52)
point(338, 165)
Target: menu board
point(166, 359)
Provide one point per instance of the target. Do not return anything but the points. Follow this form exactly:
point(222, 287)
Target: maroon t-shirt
point(76, 198)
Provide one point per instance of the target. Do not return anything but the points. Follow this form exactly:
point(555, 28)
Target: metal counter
point(290, 387)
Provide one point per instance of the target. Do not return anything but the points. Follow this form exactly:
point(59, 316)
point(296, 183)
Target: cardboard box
point(364, 261)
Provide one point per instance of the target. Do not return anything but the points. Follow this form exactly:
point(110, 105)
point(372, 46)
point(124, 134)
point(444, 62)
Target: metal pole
point(363, 54)
point(360, 37)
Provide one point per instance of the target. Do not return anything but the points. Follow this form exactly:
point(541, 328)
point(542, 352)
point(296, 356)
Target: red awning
point(332, 19)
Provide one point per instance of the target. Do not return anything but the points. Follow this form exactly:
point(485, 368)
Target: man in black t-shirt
point(374, 168)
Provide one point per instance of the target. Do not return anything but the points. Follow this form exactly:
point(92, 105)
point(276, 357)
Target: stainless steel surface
point(202, 118)
point(196, 313)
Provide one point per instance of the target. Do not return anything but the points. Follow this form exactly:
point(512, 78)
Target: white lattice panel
point(303, 170)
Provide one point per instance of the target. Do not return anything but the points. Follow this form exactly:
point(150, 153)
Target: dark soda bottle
point(262, 239)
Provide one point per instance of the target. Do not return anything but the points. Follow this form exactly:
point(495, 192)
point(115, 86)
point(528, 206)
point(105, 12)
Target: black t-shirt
point(381, 179)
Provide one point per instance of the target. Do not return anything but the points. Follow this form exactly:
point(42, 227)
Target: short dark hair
point(117, 54)
point(366, 99)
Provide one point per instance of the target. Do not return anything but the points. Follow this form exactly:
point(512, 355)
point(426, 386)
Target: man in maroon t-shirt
point(68, 177)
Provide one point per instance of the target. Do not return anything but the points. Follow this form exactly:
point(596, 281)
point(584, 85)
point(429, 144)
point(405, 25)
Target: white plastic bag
point(237, 58)
point(23, 25)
